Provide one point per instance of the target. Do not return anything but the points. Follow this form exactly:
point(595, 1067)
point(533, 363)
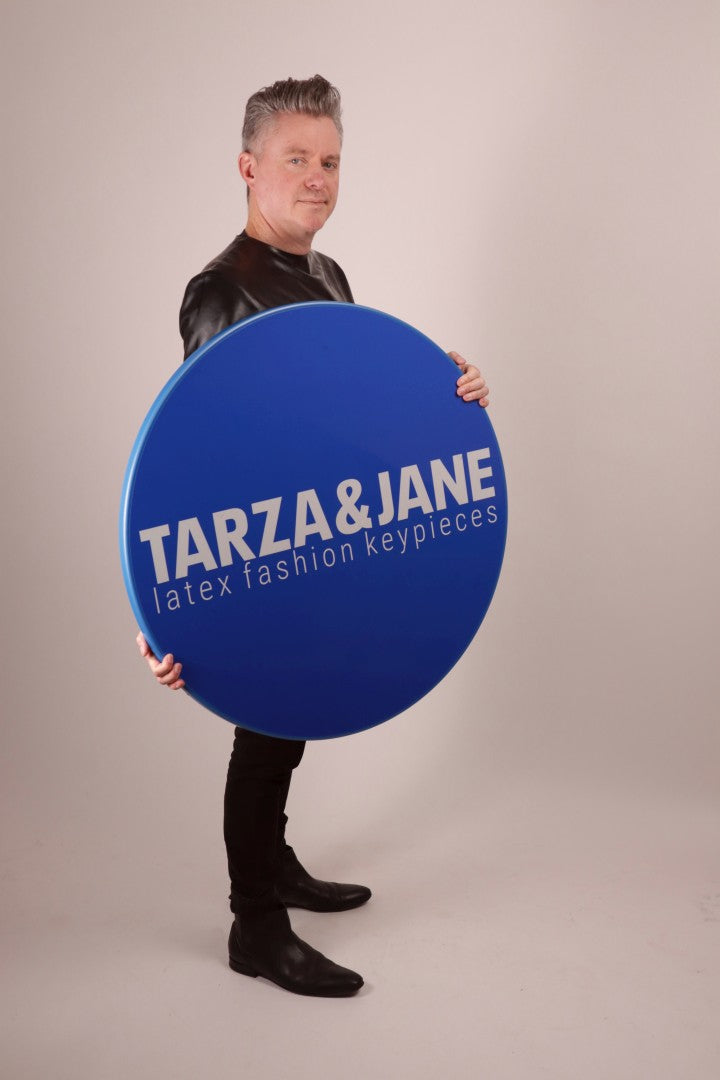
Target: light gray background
point(534, 184)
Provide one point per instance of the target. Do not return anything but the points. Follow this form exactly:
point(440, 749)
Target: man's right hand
point(166, 671)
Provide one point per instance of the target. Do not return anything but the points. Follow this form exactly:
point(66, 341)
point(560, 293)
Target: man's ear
point(246, 165)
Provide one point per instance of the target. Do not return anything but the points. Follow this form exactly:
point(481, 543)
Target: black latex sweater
point(250, 276)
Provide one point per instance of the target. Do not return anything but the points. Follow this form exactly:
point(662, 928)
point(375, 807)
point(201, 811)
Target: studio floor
point(559, 934)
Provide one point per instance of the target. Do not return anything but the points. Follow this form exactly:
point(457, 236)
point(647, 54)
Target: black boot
point(298, 889)
point(263, 943)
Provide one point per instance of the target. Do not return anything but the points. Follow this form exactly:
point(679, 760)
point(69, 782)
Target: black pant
point(258, 782)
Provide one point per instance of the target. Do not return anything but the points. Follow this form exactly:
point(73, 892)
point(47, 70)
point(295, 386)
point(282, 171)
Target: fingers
point(173, 680)
point(166, 671)
point(475, 392)
point(471, 386)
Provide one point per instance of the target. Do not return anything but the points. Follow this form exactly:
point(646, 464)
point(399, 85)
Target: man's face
point(293, 178)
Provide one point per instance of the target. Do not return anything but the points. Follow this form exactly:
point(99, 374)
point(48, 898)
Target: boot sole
point(325, 910)
point(243, 968)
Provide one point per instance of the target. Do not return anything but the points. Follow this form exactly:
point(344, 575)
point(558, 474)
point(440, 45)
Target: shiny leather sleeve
point(211, 304)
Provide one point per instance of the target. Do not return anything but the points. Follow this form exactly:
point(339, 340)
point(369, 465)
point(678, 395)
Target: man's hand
point(471, 385)
point(166, 671)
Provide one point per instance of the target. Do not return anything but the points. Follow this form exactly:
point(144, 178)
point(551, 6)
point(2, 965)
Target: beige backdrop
point(531, 183)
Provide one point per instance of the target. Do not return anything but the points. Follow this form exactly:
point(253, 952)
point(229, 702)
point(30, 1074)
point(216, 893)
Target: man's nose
point(316, 178)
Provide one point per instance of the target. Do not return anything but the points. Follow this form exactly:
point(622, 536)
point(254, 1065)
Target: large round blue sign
point(312, 521)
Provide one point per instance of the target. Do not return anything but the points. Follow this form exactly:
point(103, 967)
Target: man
point(290, 163)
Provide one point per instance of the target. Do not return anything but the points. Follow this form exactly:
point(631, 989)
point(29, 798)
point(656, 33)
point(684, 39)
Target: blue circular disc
point(312, 521)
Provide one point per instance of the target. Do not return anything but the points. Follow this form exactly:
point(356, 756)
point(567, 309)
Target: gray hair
point(313, 97)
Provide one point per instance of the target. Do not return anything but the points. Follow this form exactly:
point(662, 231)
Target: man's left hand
point(471, 385)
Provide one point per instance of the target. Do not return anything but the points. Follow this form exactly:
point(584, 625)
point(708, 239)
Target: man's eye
point(295, 160)
point(331, 164)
